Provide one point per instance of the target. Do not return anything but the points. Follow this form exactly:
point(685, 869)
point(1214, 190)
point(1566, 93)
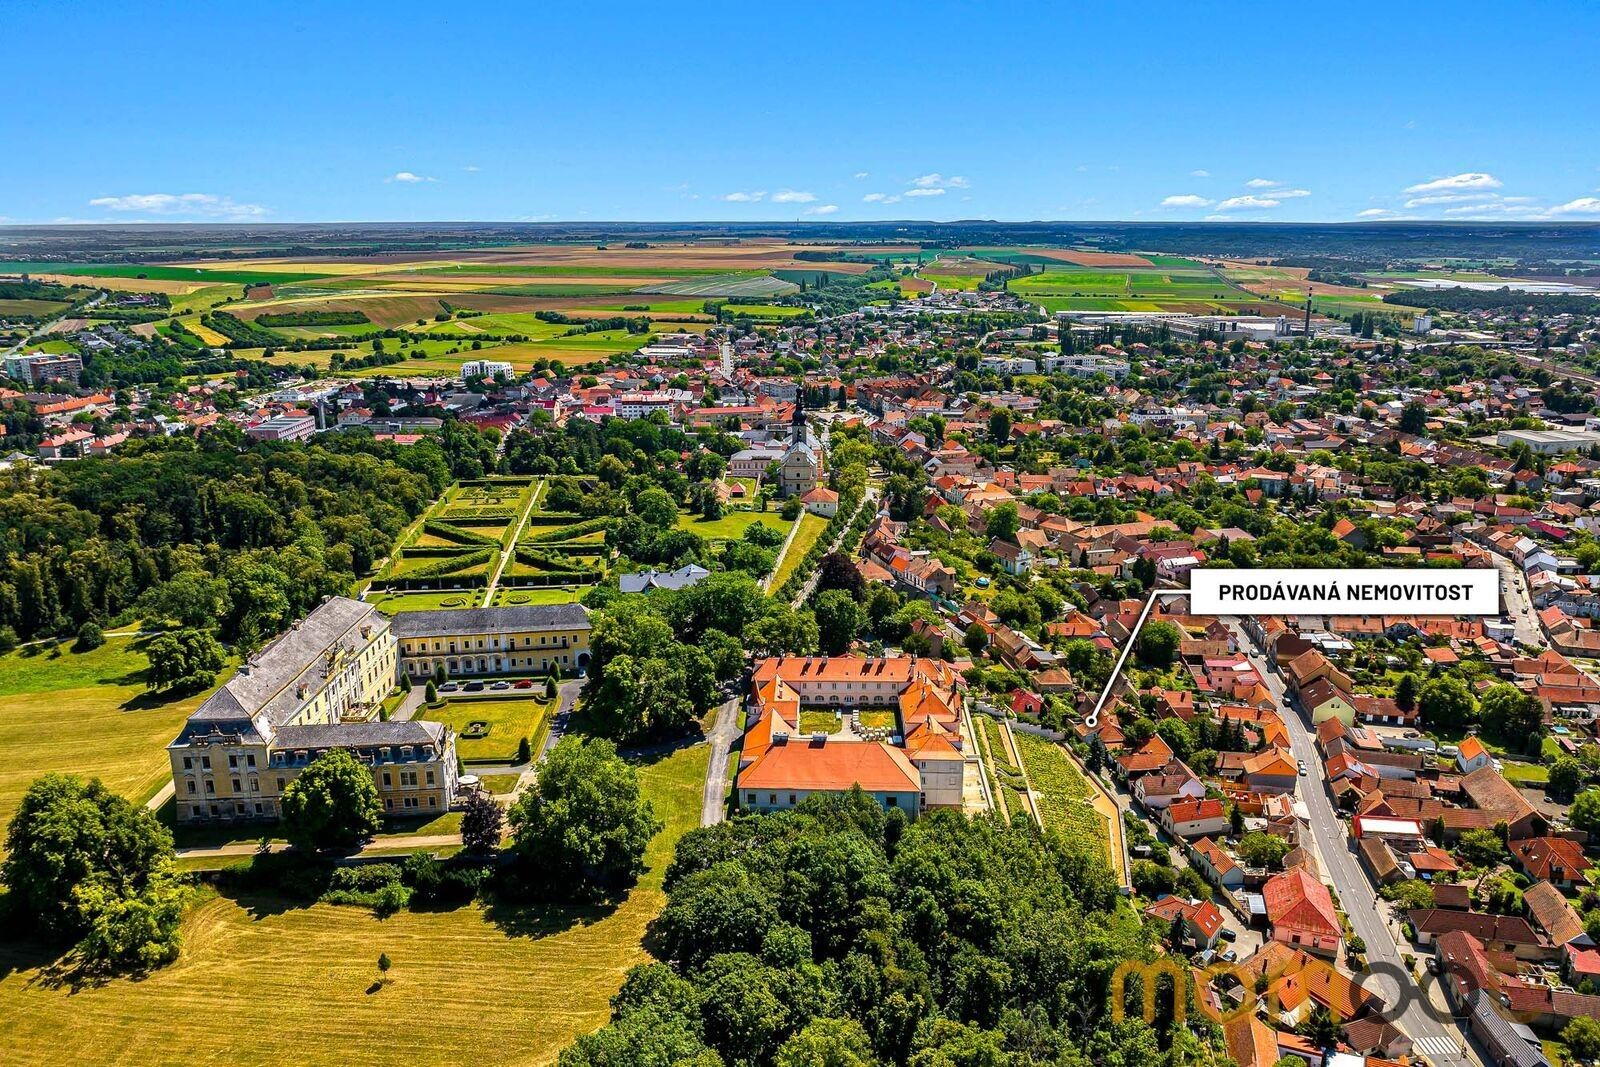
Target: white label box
point(1340, 591)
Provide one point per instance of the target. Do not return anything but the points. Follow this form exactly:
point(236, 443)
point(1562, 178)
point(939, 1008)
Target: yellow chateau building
point(319, 686)
point(479, 641)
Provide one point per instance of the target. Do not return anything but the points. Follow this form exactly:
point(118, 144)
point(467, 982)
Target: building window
point(386, 782)
point(750, 798)
point(791, 800)
point(188, 764)
point(280, 785)
point(211, 787)
point(191, 787)
point(772, 798)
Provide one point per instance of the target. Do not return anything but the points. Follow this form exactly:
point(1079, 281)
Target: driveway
point(1441, 1042)
point(714, 802)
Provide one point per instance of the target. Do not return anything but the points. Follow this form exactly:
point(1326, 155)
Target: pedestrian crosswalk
point(1434, 1046)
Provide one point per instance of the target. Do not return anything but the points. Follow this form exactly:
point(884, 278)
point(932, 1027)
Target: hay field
point(467, 986)
point(85, 713)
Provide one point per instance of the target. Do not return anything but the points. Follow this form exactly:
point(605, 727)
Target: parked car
point(449, 687)
point(501, 685)
point(1230, 956)
point(474, 687)
point(1302, 765)
point(523, 683)
point(1228, 933)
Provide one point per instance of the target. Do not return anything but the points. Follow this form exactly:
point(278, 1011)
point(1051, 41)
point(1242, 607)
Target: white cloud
point(470, 168)
point(822, 209)
point(1584, 205)
point(939, 181)
point(1187, 200)
point(1216, 218)
point(860, 174)
point(1286, 194)
point(1261, 183)
point(924, 192)
point(202, 205)
point(1456, 181)
point(1199, 174)
point(1242, 203)
point(1374, 213)
point(882, 198)
point(409, 178)
point(746, 198)
point(791, 196)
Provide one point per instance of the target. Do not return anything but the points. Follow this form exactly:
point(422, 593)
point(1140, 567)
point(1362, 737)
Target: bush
point(90, 637)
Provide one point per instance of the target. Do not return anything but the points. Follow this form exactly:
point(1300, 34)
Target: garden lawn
point(390, 603)
point(510, 720)
point(811, 527)
point(732, 525)
point(86, 714)
point(534, 982)
point(818, 722)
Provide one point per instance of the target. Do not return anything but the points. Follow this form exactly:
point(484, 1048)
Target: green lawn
point(510, 720)
point(818, 722)
point(534, 980)
point(811, 527)
point(500, 783)
point(391, 603)
point(86, 714)
point(506, 596)
point(732, 525)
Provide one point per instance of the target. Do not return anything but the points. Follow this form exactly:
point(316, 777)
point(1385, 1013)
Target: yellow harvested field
point(467, 985)
point(127, 285)
point(205, 333)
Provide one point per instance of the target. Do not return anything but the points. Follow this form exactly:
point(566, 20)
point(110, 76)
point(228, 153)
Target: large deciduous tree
point(333, 804)
point(582, 831)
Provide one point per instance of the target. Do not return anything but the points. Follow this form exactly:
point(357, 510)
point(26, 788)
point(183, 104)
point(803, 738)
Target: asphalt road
point(1518, 603)
point(1441, 1042)
point(713, 804)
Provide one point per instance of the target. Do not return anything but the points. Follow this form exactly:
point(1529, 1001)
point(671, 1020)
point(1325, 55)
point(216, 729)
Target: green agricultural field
point(734, 285)
point(561, 270)
point(32, 308)
point(764, 311)
point(953, 281)
point(85, 713)
point(509, 720)
point(157, 272)
point(533, 979)
point(732, 525)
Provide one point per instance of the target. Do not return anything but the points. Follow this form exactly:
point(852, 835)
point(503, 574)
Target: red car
point(525, 683)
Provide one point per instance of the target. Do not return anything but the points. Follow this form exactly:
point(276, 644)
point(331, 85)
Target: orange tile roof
point(832, 766)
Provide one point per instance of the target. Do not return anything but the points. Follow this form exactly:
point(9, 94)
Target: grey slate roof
point(265, 686)
point(359, 734)
point(449, 623)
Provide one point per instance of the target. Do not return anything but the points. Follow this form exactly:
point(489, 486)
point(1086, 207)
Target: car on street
point(449, 687)
point(523, 683)
point(1302, 766)
point(1230, 956)
point(474, 687)
point(501, 685)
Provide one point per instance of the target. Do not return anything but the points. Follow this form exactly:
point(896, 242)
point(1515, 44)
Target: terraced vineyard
point(1010, 787)
point(1063, 793)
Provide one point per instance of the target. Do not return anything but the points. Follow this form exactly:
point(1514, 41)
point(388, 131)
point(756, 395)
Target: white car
point(1302, 765)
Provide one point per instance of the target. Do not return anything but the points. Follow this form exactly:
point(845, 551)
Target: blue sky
point(750, 111)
